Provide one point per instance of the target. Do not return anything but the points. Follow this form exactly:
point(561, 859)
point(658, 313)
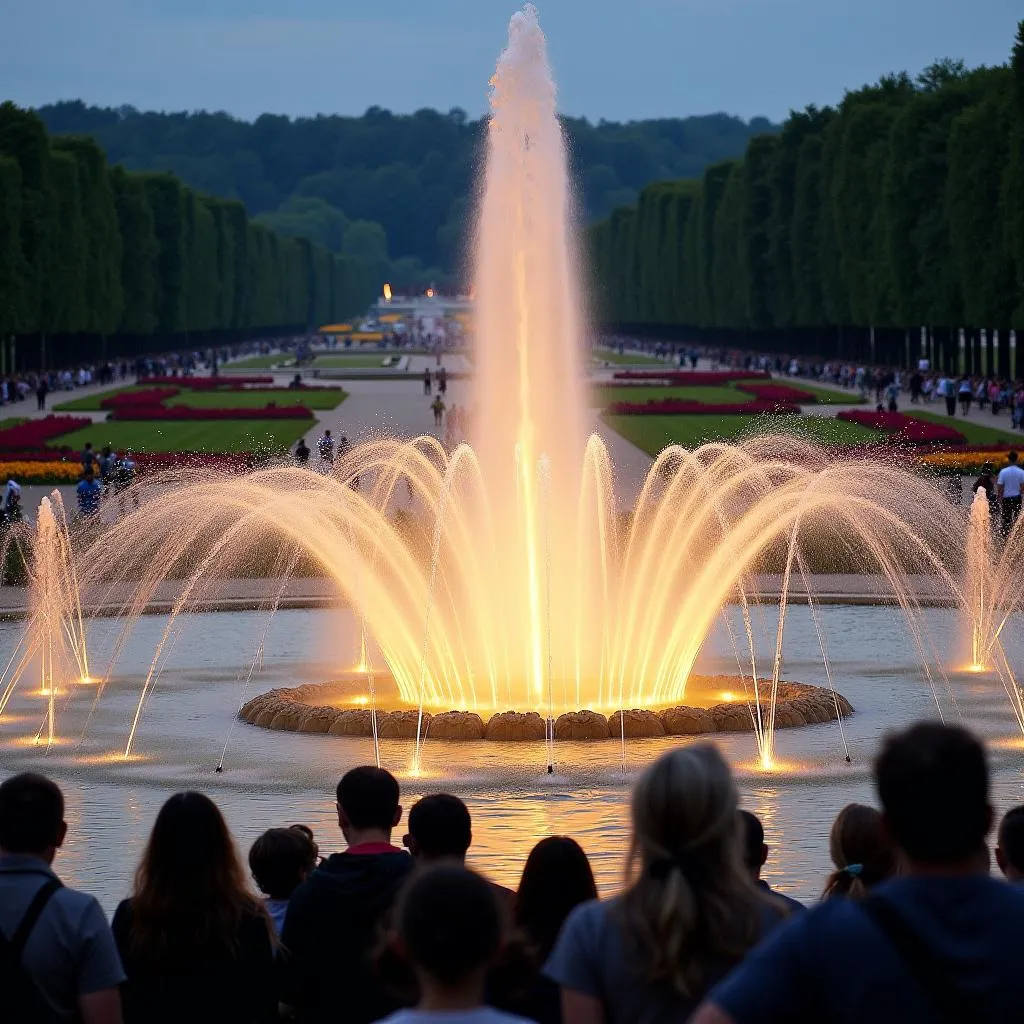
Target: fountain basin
point(333, 708)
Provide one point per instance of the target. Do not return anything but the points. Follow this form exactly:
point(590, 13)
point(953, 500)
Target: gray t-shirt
point(71, 950)
point(591, 957)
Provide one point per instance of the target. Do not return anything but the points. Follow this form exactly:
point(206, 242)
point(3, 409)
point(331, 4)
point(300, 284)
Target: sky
point(617, 61)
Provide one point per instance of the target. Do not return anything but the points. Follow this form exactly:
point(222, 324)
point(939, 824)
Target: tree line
point(388, 188)
point(134, 260)
point(899, 209)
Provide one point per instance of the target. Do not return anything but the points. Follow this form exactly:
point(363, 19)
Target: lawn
point(652, 433)
point(311, 398)
point(196, 436)
point(606, 355)
point(262, 362)
point(974, 433)
point(603, 396)
point(357, 360)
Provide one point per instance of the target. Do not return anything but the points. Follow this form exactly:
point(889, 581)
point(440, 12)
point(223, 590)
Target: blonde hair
point(690, 901)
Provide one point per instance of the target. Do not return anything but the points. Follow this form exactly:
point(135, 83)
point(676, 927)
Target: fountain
point(53, 647)
point(506, 591)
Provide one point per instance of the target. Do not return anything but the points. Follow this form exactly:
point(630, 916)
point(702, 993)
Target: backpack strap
point(28, 922)
point(931, 971)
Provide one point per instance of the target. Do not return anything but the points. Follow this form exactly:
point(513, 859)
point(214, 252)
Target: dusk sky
point(619, 61)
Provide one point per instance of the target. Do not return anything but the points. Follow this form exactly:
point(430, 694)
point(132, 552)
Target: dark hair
point(1011, 837)
point(1011, 456)
point(752, 835)
point(441, 826)
point(932, 780)
point(31, 813)
point(280, 859)
point(450, 922)
point(556, 879)
point(862, 851)
point(190, 886)
point(369, 797)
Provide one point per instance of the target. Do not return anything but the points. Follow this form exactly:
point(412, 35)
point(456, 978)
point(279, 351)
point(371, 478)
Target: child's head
point(450, 925)
point(281, 859)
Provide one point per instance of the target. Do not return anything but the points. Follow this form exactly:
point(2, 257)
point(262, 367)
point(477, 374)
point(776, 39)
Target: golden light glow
point(387, 292)
point(728, 696)
point(430, 293)
point(363, 700)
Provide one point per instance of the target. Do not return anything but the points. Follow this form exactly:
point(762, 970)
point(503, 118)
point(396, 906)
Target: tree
point(140, 251)
point(729, 285)
point(713, 186)
point(979, 152)
point(23, 139)
point(64, 309)
point(102, 237)
point(202, 296)
point(756, 225)
point(807, 307)
point(166, 198)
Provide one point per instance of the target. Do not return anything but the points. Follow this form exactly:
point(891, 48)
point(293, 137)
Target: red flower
point(35, 433)
point(778, 393)
point(903, 427)
point(698, 378)
point(184, 412)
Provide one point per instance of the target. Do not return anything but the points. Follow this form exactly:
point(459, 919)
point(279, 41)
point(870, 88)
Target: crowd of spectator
point(910, 925)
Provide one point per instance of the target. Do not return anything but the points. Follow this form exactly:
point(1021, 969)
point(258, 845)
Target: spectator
point(1008, 486)
point(106, 465)
point(937, 943)
point(861, 851)
point(302, 453)
point(280, 861)
point(440, 828)
point(88, 458)
point(334, 916)
point(690, 910)
point(12, 510)
point(89, 493)
point(1010, 845)
point(195, 942)
point(60, 961)
point(557, 879)
point(450, 928)
point(42, 390)
point(755, 856)
point(325, 449)
point(124, 477)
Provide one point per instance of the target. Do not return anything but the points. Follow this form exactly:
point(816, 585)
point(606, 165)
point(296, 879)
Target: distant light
point(430, 293)
point(387, 292)
point(728, 696)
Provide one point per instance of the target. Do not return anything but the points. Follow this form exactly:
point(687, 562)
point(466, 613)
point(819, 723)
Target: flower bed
point(696, 378)
point(904, 427)
point(679, 407)
point(35, 433)
point(206, 383)
point(40, 471)
point(969, 461)
point(773, 392)
point(153, 396)
point(186, 412)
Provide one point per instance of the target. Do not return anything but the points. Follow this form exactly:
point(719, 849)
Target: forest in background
point(98, 260)
point(899, 209)
point(391, 190)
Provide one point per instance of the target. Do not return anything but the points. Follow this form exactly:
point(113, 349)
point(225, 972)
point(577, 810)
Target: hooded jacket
point(335, 920)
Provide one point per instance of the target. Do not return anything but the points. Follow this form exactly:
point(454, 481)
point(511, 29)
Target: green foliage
point(64, 309)
point(899, 208)
point(23, 139)
point(102, 236)
point(139, 254)
point(12, 268)
point(409, 173)
point(90, 249)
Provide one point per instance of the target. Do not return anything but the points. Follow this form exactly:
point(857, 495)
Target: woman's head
point(690, 900)
point(450, 925)
point(556, 878)
point(861, 851)
point(190, 886)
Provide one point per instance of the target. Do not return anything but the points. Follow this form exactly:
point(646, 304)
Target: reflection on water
point(281, 778)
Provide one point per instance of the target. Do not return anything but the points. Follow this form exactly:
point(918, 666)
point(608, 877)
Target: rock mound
point(581, 725)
